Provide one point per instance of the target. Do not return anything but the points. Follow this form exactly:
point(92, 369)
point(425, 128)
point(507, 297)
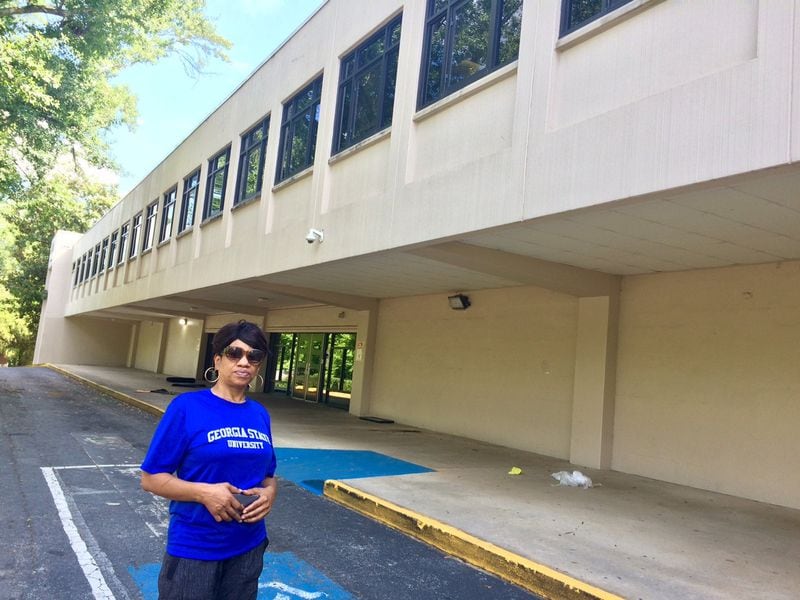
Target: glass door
point(305, 379)
point(314, 367)
point(340, 349)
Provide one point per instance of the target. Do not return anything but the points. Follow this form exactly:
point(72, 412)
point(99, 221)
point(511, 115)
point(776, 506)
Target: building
point(569, 227)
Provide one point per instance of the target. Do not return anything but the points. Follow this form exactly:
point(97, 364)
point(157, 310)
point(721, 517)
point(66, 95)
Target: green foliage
point(16, 342)
point(64, 200)
point(57, 58)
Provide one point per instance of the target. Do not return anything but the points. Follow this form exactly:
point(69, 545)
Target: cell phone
point(244, 499)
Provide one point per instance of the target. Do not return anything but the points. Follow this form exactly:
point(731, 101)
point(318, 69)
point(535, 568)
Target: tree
point(69, 200)
point(56, 61)
point(16, 344)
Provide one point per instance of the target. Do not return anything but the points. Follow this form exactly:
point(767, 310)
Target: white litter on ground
point(574, 479)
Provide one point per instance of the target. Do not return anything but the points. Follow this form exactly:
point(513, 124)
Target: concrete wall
point(708, 380)
point(85, 341)
point(679, 93)
point(76, 340)
point(314, 319)
point(182, 351)
point(501, 371)
point(148, 347)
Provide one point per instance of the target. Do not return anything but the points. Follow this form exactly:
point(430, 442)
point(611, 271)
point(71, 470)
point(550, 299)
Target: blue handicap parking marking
point(285, 577)
point(309, 468)
point(146, 578)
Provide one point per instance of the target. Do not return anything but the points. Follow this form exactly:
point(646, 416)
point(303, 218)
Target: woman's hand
point(219, 501)
point(217, 498)
point(259, 509)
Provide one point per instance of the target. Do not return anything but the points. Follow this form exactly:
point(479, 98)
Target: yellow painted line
point(145, 406)
point(532, 576)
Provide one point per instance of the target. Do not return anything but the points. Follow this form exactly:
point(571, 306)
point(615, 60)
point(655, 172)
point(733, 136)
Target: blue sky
point(171, 103)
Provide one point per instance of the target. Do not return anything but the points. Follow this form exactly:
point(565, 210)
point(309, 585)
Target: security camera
point(314, 235)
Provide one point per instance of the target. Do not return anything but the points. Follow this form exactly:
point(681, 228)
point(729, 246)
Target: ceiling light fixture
point(459, 302)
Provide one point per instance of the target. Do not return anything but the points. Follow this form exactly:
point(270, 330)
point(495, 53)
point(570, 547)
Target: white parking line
point(67, 468)
point(277, 585)
point(91, 571)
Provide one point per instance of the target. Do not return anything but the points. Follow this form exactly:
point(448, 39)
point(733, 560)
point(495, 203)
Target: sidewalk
point(628, 536)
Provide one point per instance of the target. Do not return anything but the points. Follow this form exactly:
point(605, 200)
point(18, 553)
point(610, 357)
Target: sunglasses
point(236, 353)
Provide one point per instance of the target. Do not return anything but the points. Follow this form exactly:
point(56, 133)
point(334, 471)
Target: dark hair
point(248, 332)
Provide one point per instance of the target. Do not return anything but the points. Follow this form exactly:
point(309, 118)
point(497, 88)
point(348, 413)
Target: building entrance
point(314, 367)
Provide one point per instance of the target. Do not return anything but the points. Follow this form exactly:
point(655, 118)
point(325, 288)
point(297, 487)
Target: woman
point(211, 445)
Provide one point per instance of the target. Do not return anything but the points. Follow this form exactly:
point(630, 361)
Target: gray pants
point(235, 578)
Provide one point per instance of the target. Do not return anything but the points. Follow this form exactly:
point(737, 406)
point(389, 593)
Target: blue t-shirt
point(204, 438)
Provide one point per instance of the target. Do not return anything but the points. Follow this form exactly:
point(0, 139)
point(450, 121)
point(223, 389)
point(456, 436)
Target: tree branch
point(31, 9)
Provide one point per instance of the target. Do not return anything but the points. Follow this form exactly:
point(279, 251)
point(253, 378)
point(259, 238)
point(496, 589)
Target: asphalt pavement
point(77, 525)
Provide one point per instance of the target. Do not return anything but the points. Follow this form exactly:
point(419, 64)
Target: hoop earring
point(208, 378)
point(258, 387)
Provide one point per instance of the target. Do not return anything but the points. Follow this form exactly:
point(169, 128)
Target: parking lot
point(77, 525)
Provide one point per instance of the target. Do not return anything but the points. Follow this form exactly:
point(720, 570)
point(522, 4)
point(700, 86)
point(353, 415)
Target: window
point(103, 255)
point(95, 259)
point(465, 40)
point(190, 186)
point(150, 225)
point(366, 88)
point(217, 180)
point(136, 229)
point(76, 272)
point(299, 131)
point(168, 214)
point(123, 239)
point(112, 248)
point(83, 269)
point(577, 13)
point(251, 162)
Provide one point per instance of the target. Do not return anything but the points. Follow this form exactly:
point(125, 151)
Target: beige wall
point(76, 340)
point(148, 347)
point(681, 92)
point(314, 319)
point(501, 371)
point(708, 380)
point(85, 341)
point(182, 351)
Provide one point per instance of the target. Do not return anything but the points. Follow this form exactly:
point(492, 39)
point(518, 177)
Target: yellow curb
point(141, 404)
point(511, 567)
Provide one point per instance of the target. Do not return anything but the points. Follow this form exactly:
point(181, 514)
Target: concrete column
point(133, 345)
point(363, 365)
point(162, 350)
point(595, 381)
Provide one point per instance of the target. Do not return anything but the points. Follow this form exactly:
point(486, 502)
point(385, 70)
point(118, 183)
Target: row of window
point(464, 41)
